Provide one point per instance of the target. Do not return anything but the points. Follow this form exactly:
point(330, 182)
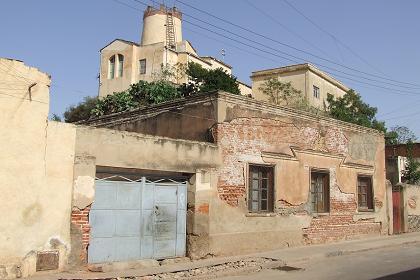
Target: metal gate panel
point(181, 221)
point(165, 220)
point(115, 222)
point(137, 220)
point(147, 221)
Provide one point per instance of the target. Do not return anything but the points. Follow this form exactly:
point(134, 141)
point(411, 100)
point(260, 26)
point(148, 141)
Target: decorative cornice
point(342, 158)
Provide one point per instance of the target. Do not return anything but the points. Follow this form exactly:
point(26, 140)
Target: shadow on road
point(409, 274)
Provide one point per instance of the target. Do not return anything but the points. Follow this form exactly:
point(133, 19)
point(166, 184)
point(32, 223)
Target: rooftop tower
point(162, 25)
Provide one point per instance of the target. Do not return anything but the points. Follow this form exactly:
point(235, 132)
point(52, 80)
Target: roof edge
point(300, 67)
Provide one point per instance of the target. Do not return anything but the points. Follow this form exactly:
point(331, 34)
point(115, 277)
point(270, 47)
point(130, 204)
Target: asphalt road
point(402, 262)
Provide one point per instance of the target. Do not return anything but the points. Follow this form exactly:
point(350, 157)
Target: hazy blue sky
point(63, 38)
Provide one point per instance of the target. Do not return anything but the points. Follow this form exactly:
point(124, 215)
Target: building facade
point(124, 63)
point(396, 160)
point(286, 177)
point(181, 178)
point(314, 84)
point(76, 195)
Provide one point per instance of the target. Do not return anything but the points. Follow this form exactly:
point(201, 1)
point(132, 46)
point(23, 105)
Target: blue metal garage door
point(133, 220)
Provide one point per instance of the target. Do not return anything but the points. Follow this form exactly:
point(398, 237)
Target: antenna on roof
point(223, 52)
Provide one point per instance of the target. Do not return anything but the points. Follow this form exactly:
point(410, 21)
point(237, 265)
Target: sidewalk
point(289, 255)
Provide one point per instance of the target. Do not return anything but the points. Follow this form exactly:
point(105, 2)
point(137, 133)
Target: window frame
point(270, 200)
point(145, 66)
point(326, 191)
point(316, 92)
point(111, 67)
point(371, 200)
point(120, 68)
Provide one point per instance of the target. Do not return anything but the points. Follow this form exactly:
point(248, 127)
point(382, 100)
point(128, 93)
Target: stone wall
point(412, 205)
point(413, 223)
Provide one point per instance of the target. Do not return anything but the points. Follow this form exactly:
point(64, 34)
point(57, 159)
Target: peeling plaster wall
point(36, 165)
point(251, 133)
point(121, 149)
point(134, 150)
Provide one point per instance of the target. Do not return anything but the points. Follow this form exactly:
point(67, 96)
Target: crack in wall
point(46, 145)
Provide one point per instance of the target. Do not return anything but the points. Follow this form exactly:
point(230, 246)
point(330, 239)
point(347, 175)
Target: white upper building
point(124, 63)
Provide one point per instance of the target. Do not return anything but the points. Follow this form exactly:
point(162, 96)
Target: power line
point(283, 57)
point(208, 37)
point(9, 71)
point(286, 45)
point(284, 26)
point(392, 90)
point(403, 116)
point(295, 61)
point(406, 105)
point(285, 53)
point(29, 99)
point(333, 37)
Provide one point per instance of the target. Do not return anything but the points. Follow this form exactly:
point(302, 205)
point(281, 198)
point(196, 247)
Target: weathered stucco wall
point(303, 77)
point(188, 119)
point(248, 132)
point(125, 151)
point(36, 165)
point(297, 79)
point(134, 150)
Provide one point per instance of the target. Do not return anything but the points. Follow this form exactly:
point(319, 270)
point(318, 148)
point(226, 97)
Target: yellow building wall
point(36, 172)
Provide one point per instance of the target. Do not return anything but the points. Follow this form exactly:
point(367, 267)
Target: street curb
point(338, 253)
point(318, 252)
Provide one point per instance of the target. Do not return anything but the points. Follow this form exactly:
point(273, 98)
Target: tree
point(206, 80)
point(351, 108)
point(81, 111)
point(140, 94)
point(161, 89)
point(400, 135)
point(55, 118)
point(281, 93)
point(411, 174)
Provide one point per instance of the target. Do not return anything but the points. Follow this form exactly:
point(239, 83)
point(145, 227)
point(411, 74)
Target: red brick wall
point(339, 224)
point(401, 150)
point(80, 218)
point(249, 137)
point(243, 140)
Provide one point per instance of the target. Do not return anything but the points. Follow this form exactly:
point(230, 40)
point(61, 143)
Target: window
point(111, 67)
point(320, 191)
point(364, 193)
point(142, 66)
point(120, 65)
point(261, 188)
point(316, 92)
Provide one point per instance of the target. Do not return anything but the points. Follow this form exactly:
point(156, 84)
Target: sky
point(371, 46)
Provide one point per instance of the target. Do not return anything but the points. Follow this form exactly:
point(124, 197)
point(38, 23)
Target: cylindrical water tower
point(161, 25)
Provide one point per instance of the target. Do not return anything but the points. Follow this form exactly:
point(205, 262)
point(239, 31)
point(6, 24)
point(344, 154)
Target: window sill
point(320, 214)
point(364, 211)
point(260, 215)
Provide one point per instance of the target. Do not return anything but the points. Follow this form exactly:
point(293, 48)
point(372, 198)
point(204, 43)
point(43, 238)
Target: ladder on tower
point(170, 31)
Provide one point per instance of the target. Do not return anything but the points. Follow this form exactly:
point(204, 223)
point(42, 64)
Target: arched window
point(120, 65)
point(111, 67)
